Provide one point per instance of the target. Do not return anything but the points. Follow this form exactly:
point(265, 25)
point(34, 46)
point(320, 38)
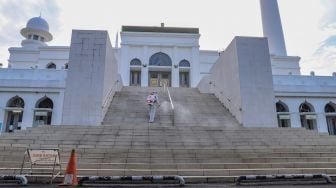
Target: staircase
point(205, 142)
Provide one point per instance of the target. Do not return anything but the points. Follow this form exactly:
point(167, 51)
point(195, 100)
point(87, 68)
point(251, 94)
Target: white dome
point(39, 27)
point(38, 23)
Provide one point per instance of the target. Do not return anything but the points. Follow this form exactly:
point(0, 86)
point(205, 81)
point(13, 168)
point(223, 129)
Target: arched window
point(135, 62)
point(306, 107)
point(66, 66)
point(45, 102)
point(160, 59)
point(16, 102)
point(184, 63)
point(43, 111)
point(307, 116)
point(283, 114)
point(14, 116)
point(51, 66)
point(281, 107)
point(329, 108)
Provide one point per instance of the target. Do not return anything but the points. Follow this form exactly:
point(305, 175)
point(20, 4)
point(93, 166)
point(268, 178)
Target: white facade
point(153, 56)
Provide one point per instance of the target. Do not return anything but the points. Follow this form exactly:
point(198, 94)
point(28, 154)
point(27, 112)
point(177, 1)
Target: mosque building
point(35, 88)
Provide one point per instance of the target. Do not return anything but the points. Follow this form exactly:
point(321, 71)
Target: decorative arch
point(16, 102)
point(184, 63)
point(135, 62)
point(330, 108)
point(51, 65)
point(160, 59)
point(306, 107)
point(45, 102)
point(281, 107)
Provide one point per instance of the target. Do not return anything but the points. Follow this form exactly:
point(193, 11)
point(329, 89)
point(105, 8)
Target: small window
point(29, 36)
point(66, 66)
point(135, 62)
point(51, 66)
point(35, 37)
point(42, 39)
point(184, 63)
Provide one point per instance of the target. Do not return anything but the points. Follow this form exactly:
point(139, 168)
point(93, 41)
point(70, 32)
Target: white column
point(56, 118)
point(175, 71)
point(293, 106)
point(272, 27)
point(194, 69)
point(125, 66)
point(295, 120)
point(2, 120)
point(144, 70)
point(28, 112)
point(321, 119)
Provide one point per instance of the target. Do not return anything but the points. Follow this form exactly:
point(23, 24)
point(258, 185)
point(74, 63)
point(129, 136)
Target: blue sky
point(309, 25)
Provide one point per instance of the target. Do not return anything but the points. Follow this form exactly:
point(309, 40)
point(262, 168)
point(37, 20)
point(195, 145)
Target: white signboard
point(41, 113)
point(310, 116)
point(44, 156)
point(284, 116)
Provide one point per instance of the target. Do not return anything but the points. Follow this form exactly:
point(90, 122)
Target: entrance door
point(14, 120)
point(158, 79)
point(184, 79)
point(135, 78)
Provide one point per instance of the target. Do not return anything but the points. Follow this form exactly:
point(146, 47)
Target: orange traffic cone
point(70, 178)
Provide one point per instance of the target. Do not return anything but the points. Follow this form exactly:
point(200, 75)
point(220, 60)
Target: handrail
point(110, 93)
point(171, 102)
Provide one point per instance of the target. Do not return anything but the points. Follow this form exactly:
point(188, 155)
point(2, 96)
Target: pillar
point(175, 71)
point(144, 70)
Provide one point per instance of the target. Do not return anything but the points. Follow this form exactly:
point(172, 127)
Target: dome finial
point(40, 13)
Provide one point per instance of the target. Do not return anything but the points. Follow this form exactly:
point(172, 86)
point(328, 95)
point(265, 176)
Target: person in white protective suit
point(153, 102)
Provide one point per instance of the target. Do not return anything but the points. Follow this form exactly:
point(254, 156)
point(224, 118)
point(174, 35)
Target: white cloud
point(14, 15)
point(329, 18)
point(323, 59)
point(306, 23)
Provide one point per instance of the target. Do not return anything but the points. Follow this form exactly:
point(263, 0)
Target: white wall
point(285, 65)
point(91, 68)
point(27, 58)
point(177, 46)
point(242, 80)
point(316, 90)
point(305, 86)
point(32, 85)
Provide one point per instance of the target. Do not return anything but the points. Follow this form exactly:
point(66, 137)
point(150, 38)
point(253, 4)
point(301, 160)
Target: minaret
point(272, 27)
point(36, 33)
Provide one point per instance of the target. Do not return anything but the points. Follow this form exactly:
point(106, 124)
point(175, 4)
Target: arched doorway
point(330, 112)
point(283, 114)
point(307, 116)
point(14, 113)
point(43, 112)
point(184, 75)
point(135, 74)
point(160, 65)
